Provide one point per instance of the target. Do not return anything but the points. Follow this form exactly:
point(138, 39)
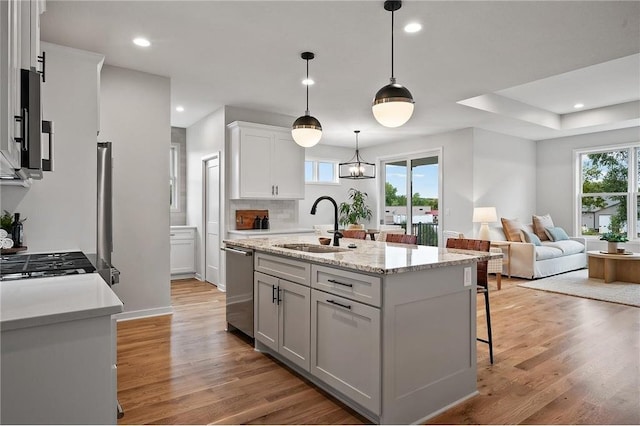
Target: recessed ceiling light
point(578, 106)
point(308, 82)
point(142, 42)
point(412, 27)
point(179, 108)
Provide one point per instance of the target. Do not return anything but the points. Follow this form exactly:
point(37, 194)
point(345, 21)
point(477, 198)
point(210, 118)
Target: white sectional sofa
point(550, 258)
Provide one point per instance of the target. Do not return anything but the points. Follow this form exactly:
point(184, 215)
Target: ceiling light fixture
point(179, 108)
point(306, 130)
point(578, 106)
point(356, 167)
point(412, 27)
point(393, 104)
point(142, 42)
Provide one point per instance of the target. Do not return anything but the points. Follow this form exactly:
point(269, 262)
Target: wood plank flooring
point(558, 360)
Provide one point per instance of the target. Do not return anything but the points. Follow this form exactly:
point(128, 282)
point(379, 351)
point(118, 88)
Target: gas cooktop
point(42, 265)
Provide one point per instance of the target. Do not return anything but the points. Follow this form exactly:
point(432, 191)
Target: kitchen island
point(58, 347)
point(389, 329)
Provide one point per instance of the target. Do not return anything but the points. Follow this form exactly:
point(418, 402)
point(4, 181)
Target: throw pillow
point(530, 237)
point(540, 224)
point(511, 228)
point(556, 233)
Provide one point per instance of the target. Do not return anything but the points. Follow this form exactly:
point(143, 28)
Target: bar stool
point(483, 284)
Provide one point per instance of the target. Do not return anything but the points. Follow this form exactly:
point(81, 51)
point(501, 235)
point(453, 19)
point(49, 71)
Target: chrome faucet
point(336, 234)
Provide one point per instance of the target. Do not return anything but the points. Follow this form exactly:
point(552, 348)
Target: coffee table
point(614, 267)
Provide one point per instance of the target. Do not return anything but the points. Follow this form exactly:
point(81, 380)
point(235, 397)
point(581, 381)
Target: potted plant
point(352, 212)
point(612, 239)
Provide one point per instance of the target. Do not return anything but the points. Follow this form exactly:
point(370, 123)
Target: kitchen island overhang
point(391, 327)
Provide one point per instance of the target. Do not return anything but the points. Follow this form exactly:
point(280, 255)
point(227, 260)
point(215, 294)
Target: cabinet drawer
point(182, 234)
point(360, 287)
point(288, 269)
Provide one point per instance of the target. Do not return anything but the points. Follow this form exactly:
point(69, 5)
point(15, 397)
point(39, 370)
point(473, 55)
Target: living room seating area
point(540, 249)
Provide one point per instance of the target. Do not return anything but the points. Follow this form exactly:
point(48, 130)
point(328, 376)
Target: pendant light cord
point(392, 77)
point(307, 110)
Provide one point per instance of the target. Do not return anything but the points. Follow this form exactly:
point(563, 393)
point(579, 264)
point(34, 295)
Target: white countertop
point(369, 256)
point(42, 301)
point(259, 232)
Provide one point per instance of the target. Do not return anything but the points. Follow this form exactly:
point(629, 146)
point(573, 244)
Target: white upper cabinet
point(10, 61)
point(30, 33)
point(265, 163)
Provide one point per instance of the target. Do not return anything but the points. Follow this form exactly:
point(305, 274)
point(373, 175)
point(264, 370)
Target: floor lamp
point(484, 215)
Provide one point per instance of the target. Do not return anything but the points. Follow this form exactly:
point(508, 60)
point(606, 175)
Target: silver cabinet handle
point(236, 251)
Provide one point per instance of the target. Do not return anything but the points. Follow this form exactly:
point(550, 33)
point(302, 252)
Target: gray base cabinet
point(282, 317)
point(345, 347)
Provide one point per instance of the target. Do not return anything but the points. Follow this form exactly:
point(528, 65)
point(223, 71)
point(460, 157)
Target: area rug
point(578, 283)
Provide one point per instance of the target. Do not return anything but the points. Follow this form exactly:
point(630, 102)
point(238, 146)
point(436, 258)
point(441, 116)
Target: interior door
point(212, 243)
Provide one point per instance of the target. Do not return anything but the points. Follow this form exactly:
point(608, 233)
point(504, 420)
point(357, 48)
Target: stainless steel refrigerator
point(105, 215)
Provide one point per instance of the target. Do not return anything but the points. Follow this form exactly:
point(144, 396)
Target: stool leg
point(488, 313)
point(499, 279)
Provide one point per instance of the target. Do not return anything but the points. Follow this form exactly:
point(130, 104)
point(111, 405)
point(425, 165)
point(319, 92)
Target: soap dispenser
point(265, 222)
point(257, 223)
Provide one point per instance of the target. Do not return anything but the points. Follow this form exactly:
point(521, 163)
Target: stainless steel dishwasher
point(239, 270)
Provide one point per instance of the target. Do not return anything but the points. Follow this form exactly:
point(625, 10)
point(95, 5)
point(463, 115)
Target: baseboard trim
point(144, 313)
point(183, 276)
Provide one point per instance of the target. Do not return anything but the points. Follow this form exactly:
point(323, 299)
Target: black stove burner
point(22, 266)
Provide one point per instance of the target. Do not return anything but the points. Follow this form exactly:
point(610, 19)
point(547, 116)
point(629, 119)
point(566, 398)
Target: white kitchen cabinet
point(10, 62)
point(282, 317)
point(183, 250)
point(345, 347)
point(30, 33)
point(265, 163)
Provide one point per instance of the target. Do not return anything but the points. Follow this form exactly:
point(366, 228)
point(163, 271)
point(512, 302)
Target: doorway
point(411, 194)
point(212, 219)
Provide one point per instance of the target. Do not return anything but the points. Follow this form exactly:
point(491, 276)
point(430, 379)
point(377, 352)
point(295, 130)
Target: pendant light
point(357, 168)
point(306, 130)
point(393, 104)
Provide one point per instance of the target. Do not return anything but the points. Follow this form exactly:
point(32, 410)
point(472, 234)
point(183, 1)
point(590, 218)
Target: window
point(321, 171)
point(174, 167)
point(419, 176)
point(608, 191)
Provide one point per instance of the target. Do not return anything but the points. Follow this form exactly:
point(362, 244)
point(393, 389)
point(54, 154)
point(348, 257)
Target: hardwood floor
point(558, 359)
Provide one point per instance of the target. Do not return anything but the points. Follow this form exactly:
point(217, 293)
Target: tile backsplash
point(282, 213)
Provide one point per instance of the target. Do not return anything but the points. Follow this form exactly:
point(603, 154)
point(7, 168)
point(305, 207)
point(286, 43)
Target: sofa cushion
point(568, 247)
point(540, 223)
point(545, 251)
point(511, 228)
point(530, 237)
point(556, 233)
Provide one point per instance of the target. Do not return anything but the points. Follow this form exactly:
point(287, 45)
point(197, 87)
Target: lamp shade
point(393, 105)
point(306, 131)
point(484, 215)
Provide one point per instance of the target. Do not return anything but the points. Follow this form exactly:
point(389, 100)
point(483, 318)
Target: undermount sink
point(311, 248)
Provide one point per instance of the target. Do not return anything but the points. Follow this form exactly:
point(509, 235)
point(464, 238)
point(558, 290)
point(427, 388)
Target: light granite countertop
point(369, 256)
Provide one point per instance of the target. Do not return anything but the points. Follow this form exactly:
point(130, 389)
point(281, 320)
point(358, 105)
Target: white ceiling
point(544, 54)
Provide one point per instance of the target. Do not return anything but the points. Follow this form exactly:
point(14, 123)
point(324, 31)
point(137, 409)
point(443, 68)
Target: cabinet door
point(345, 347)
point(10, 16)
point(287, 167)
point(265, 309)
point(294, 323)
point(182, 256)
point(256, 163)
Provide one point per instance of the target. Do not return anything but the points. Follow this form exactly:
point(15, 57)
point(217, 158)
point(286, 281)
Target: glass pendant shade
point(393, 105)
point(306, 131)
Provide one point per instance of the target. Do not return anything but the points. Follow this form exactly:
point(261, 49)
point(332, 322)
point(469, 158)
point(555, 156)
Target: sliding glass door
point(417, 213)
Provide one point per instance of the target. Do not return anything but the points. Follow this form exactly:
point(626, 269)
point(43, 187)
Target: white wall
point(61, 208)
point(456, 205)
point(555, 177)
point(504, 175)
point(135, 116)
